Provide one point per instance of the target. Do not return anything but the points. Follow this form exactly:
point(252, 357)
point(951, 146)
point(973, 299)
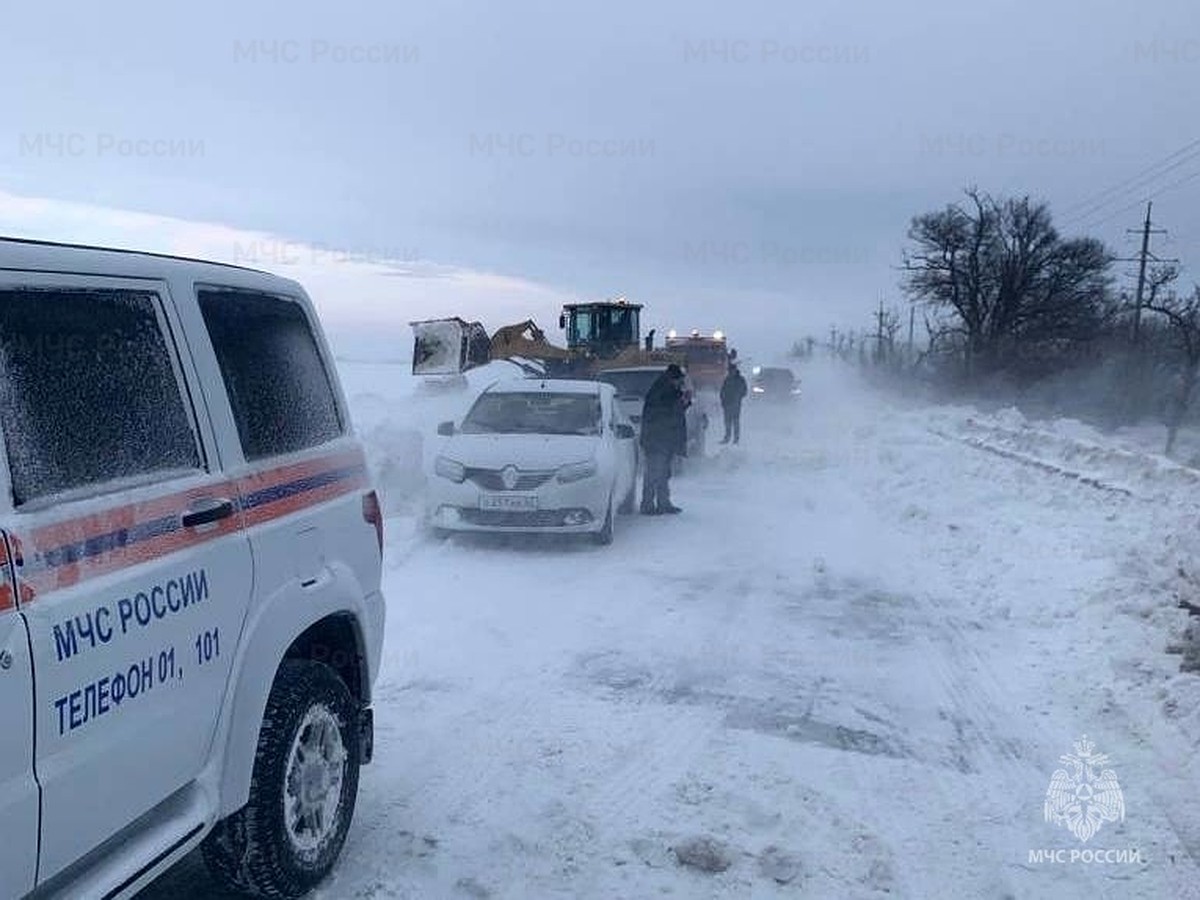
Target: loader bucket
point(448, 346)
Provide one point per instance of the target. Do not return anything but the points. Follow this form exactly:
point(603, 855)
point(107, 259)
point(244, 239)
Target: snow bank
point(1072, 448)
point(397, 414)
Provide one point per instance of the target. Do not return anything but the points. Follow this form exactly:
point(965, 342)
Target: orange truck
point(706, 356)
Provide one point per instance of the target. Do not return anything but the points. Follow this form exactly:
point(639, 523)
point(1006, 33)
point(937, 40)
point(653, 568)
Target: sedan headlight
point(449, 468)
point(577, 471)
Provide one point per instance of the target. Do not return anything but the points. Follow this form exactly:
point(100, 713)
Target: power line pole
point(879, 333)
point(1142, 258)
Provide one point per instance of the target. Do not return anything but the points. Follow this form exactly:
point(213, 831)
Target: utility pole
point(879, 333)
point(912, 316)
point(1142, 259)
point(1137, 392)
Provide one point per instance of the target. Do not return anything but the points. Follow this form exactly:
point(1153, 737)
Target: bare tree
point(946, 267)
point(1183, 316)
point(887, 326)
point(1159, 279)
point(1008, 277)
point(942, 339)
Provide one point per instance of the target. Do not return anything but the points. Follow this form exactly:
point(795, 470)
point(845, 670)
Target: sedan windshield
point(534, 413)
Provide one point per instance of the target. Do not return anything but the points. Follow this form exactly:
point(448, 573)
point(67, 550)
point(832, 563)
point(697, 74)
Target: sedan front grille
point(493, 480)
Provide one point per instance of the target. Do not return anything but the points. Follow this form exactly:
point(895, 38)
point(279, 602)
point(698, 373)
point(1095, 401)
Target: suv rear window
point(88, 391)
point(278, 386)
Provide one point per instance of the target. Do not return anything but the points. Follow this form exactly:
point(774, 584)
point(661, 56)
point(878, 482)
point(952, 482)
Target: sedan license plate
point(508, 501)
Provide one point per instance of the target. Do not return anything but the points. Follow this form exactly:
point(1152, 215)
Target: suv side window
point(89, 392)
point(279, 389)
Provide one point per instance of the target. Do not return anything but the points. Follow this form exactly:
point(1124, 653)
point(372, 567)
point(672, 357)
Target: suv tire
point(289, 835)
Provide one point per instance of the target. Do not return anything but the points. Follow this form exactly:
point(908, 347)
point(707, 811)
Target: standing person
point(733, 391)
point(664, 434)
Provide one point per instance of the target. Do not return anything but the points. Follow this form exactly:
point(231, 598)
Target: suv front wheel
point(289, 835)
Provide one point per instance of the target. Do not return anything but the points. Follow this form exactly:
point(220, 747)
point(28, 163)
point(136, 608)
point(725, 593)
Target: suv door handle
point(206, 512)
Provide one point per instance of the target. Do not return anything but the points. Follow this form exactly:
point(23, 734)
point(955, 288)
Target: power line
point(1136, 203)
point(1131, 193)
point(1134, 187)
point(1151, 171)
point(1122, 186)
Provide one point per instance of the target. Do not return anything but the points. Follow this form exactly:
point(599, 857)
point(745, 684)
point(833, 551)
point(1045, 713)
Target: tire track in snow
point(682, 748)
point(669, 752)
point(991, 739)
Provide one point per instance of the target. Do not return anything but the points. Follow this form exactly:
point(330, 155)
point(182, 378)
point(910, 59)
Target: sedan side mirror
point(446, 429)
point(625, 432)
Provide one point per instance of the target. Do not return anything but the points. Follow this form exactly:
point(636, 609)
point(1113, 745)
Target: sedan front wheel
point(604, 536)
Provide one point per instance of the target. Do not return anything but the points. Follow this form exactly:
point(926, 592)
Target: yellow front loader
point(600, 335)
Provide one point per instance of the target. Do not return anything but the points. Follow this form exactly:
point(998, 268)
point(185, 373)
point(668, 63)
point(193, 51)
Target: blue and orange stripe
point(6, 591)
point(66, 553)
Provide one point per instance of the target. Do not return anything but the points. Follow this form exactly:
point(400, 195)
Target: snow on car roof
point(49, 256)
point(549, 385)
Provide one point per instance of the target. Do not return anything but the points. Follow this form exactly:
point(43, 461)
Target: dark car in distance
point(773, 383)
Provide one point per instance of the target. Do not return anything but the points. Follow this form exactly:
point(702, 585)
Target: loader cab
point(602, 329)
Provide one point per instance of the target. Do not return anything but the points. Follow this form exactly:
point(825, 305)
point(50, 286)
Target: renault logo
point(509, 477)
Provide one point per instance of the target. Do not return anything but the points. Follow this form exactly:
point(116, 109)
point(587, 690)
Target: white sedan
point(537, 455)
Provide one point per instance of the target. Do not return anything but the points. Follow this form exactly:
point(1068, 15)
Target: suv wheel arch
point(271, 639)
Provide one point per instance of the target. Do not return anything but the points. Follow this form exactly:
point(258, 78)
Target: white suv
point(190, 556)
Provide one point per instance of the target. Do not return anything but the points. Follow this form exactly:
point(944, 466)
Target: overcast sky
point(751, 165)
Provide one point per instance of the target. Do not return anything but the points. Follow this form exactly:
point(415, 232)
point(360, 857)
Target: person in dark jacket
point(664, 435)
point(733, 391)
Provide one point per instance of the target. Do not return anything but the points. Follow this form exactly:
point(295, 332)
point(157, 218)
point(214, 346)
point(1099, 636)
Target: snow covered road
point(852, 664)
